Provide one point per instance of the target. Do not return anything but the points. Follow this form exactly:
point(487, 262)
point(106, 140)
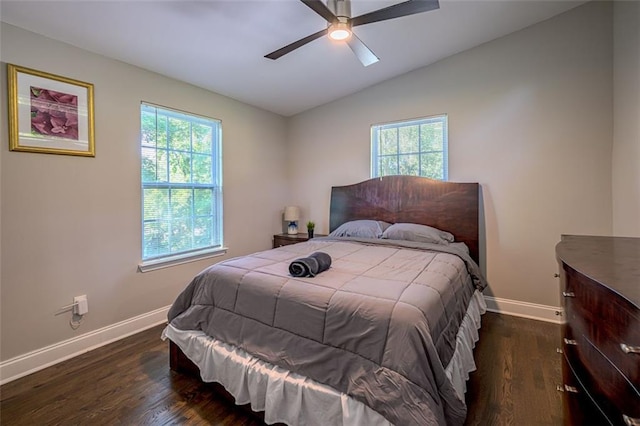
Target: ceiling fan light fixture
point(339, 31)
point(337, 14)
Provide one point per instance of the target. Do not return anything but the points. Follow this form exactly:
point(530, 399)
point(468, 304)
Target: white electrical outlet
point(80, 305)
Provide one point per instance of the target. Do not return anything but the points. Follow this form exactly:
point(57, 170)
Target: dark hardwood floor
point(518, 370)
point(129, 383)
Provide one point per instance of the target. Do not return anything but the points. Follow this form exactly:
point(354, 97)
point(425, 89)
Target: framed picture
point(49, 113)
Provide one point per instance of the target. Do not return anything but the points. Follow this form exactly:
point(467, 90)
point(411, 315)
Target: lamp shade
point(291, 213)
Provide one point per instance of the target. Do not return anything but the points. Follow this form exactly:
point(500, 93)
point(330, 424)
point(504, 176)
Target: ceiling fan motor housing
point(340, 8)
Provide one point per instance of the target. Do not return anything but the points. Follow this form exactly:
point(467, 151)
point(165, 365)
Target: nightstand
point(280, 240)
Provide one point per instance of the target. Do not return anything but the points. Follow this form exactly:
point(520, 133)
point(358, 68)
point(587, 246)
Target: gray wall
point(626, 119)
point(530, 119)
point(71, 225)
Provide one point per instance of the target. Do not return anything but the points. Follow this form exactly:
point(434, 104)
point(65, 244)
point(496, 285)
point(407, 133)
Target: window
point(416, 147)
point(181, 184)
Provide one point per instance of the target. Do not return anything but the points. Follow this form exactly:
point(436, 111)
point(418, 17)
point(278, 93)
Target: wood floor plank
point(129, 383)
point(519, 353)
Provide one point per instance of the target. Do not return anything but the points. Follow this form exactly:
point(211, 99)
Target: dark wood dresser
point(600, 285)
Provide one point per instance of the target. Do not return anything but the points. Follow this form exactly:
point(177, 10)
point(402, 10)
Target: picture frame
point(49, 113)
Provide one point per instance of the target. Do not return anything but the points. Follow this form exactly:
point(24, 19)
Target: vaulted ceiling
point(220, 44)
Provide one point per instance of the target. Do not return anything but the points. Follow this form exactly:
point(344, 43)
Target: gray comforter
point(380, 325)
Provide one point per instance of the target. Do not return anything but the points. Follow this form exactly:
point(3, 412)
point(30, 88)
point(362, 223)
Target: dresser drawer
point(612, 391)
point(578, 406)
point(605, 325)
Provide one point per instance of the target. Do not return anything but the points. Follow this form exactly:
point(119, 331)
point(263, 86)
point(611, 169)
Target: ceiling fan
point(337, 13)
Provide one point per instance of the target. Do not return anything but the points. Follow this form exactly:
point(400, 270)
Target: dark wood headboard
point(449, 206)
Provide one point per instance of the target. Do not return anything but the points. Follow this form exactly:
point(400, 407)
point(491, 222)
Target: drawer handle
point(560, 351)
point(570, 342)
point(566, 388)
point(556, 275)
point(630, 421)
point(568, 294)
point(629, 349)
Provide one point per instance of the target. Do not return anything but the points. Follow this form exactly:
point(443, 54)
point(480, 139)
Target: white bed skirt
point(290, 398)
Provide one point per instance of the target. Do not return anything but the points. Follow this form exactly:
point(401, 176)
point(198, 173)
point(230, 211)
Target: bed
point(385, 336)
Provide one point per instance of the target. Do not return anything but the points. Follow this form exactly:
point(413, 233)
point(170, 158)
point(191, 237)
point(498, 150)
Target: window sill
point(165, 262)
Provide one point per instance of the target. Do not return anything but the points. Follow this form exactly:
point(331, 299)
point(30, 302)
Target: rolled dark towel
point(310, 266)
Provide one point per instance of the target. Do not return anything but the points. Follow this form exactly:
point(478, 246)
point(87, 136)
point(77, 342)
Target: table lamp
point(292, 215)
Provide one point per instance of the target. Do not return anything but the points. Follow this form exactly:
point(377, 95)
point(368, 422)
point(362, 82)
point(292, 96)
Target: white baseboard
point(39, 359)
point(524, 309)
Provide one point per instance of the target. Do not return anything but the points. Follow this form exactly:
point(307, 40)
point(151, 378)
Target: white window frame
point(375, 144)
point(150, 263)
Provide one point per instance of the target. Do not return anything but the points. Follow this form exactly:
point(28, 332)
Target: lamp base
point(292, 229)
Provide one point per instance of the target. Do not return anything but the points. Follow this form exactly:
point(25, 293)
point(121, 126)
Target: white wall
point(530, 119)
point(71, 225)
point(626, 119)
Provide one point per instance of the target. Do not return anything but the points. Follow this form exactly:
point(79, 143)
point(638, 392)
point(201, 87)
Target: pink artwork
point(54, 113)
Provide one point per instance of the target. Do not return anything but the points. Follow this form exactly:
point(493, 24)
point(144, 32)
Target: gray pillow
point(418, 233)
point(361, 229)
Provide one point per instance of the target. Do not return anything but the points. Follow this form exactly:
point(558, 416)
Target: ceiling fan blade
point(364, 54)
point(293, 46)
point(321, 9)
point(406, 8)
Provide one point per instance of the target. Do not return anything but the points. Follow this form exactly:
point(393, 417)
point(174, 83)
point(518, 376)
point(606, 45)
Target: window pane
point(181, 203)
point(408, 165)
point(431, 137)
point(202, 172)
point(203, 202)
point(179, 167)
point(148, 128)
point(161, 134)
point(217, 218)
point(149, 165)
point(180, 235)
point(179, 134)
point(388, 141)
point(156, 204)
point(202, 235)
point(162, 166)
point(202, 137)
point(432, 165)
point(388, 166)
point(156, 238)
point(409, 142)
